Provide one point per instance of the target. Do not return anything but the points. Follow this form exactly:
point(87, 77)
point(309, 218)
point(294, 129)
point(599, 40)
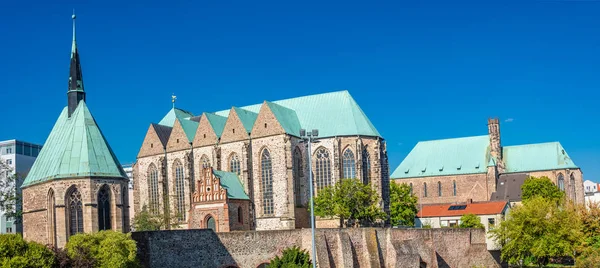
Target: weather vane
point(173, 98)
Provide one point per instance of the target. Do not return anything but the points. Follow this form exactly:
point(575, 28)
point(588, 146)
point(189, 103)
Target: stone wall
point(471, 186)
point(360, 247)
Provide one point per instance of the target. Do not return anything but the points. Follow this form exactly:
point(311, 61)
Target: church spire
point(76, 92)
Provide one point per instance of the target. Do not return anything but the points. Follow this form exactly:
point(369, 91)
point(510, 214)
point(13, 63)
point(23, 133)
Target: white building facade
point(592, 192)
point(19, 157)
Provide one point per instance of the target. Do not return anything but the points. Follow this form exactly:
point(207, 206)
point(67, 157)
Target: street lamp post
point(309, 136)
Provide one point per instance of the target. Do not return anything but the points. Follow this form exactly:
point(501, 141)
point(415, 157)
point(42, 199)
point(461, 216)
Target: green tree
point(105, 248)
point(350, 200)
point(16, 252)
point(542, 187)
point(293, 257)
point(9, 199)
point(539, 230)
point(403, 205)
point(146, 221)
point(470, 221)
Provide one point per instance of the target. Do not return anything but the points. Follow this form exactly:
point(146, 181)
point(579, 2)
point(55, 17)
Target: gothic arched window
point(366, 166)
point(439, 188)
point(211, 224)
point(179, 190)
point(240, 215)
point(573, 188)
point(454, 188)
point(424, 189)
point(234, 164)
point(153, 189)
point(267, 182)
point(51, 218)
point(74, 211)
point(205, 162)
point(297, 176)
point(323, 170)
point(349, 164)
point(104, 208)
point(561, 182)
point(411, 188)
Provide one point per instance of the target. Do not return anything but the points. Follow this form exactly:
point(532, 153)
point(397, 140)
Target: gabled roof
point(231, 182)
point(217, 123)
point(286, 117)
point(189, 127)
point(508, 187)
point(536, 157)
point(169, 119)
point(333, 114)
point(75, 148)
point(163, 133)
point(248, 118)
point(469, 155)
point(479, 208)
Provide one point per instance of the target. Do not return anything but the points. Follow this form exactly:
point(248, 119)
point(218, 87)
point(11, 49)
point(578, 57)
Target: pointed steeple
point(76, 92)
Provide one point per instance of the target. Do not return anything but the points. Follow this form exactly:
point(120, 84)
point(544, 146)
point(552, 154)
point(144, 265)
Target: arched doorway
point(211, 224)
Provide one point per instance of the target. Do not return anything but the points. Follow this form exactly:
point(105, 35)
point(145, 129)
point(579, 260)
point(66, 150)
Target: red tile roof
point(479, 208)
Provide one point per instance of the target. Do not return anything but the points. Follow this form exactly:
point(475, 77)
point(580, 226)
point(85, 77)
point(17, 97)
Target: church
point(246, 168)
point(76, 184)
point(480, 168)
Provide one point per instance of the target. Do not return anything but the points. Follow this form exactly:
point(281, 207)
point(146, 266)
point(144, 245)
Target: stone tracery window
point(179, 190)
point(366, 166)
point(234, 164)
point(51, 218)
point(153, 189)
point(561, 182)
point(297, 176)
point(323, 169)
point(205, 161)
point(266, 182)
point(75, 211)
point(573, 188)
point(104, 208)
point(349, 164)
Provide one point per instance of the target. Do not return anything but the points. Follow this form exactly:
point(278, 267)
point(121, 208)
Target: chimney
point(469, 201)
point(495, 144)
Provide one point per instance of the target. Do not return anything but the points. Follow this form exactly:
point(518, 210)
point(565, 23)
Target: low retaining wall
point(354, 247)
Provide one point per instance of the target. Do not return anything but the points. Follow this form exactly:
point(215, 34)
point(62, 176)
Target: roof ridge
point(467, 137)
point(539, 143)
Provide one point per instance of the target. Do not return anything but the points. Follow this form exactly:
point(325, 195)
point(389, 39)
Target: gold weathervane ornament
point(173, 98)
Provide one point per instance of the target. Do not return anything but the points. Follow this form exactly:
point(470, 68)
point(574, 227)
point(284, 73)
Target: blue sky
point(419, 69)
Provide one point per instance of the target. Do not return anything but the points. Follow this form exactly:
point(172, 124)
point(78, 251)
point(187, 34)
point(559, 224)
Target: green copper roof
point(169, 118)
point(248, 118)
point(231, 182)
point(189, 127)
point(536, 157)
point(286, 117)
point(467, 155)
point(217, 122)
point(75, 148)
point(333, 114)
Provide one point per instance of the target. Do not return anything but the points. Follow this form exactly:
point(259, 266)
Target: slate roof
point(231, 182)
point(536, 157)
point(163, 133)
point(469, 155)
point(509, 187)
point(75, 148)
point(479, 208)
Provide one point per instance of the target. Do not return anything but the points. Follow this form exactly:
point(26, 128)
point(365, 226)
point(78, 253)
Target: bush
point(102, 249)
point(16, 252)
point(470, 221)
point(291, 258)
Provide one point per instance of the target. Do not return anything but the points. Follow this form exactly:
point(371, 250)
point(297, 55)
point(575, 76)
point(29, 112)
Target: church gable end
point(266, 123)
point(234, 129)
point(205, 134)
point(152, 144)
point(178, 140)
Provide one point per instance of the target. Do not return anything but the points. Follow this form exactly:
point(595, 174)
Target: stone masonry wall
point(473, 186)
point(360, 247)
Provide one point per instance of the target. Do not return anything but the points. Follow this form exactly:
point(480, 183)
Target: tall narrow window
point(125, 210)
point(573, 188)
point(424, 189)
point(234, 164)
point(297, 176)
point(349, 165)
point(179, 190)
point(240, 215)
point(439, 188)
point(267, 182)
point(411, 188)
point(366, 166)
point(205, 162)
point(323, 170)
point(561, 182)
point(153, 189)
point(75, 211)
point(104, 208)
point(454, 188)
point(51, 225)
